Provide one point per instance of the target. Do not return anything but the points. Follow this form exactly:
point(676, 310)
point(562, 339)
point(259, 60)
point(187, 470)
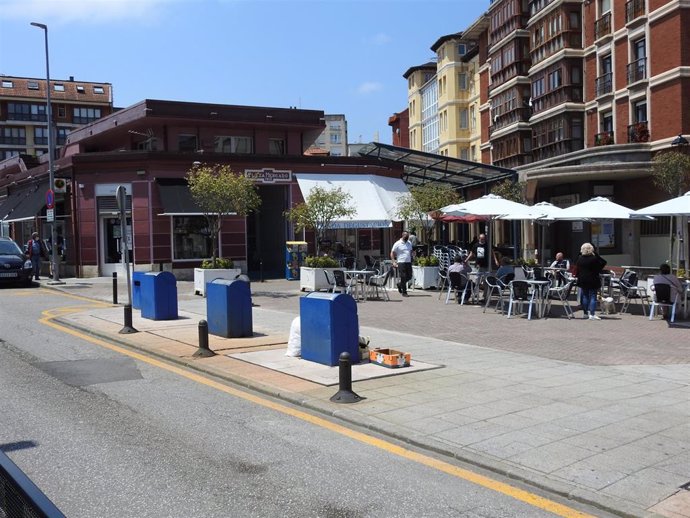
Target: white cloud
point(369, 87)
point(91, 11)
point(381, 39)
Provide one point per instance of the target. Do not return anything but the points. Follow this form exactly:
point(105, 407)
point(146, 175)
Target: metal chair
point(494, 284)
point(662, 298)
point(630, 291)
point(378, 282)
point(561, 293)
point(339, 281)
point(520, 293)
point(459, 283)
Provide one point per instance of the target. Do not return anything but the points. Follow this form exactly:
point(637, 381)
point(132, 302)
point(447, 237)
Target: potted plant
point(219, 192)
point(425, 271)
point(312, 277)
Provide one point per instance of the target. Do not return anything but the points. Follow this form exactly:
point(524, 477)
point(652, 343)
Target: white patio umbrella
point(596, 210)
point(491, 206)
point(544, 213)
point(679, 206)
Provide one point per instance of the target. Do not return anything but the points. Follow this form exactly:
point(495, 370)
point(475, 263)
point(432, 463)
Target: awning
point(24, 204)
point(176, 198)
point(375, 198)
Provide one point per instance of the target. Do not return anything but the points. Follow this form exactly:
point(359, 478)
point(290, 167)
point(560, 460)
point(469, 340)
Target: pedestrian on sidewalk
point(401, 255)
point(589, 265)
point(36, 250)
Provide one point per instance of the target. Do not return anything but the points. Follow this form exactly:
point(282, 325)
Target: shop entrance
point(111, 244)
point(266, 234)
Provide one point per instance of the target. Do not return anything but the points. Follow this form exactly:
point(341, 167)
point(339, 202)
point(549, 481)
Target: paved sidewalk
point(599, 411)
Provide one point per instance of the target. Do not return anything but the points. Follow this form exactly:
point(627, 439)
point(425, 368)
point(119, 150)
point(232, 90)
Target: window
point(84, 115)
point(462, 81)
point(187, 143)
point(465, 154)
point(98, 90)
point(59, 87)
point(607, 122)
point(32, 85)
point(555, 79)
point(26, 112)
point(464, 118)
point(61, 136)
point(13, 136)
point(640, 111)
point(639, 49)
point(41, 136)
point(7, 84)
point(80, 89)
point(604, 6)
point(238, 145)
point(62, 112)
point(538, 88)
point(191, 238)
point(462, 49)
point(335, 138)
point(276, 146)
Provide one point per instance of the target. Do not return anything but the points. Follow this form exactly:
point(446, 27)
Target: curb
point(524, 475)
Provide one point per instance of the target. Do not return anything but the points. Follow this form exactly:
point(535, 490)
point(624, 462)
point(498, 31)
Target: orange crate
point(389, 358)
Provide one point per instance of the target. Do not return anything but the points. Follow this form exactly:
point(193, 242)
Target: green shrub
point(430, 260)
point(321, 262)
point(220, 263)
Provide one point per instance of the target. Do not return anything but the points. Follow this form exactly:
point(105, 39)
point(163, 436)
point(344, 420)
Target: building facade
point(333, 138)
point(149, 148)
point(23, 126)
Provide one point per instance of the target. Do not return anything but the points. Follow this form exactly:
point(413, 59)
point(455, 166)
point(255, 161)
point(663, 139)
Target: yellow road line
point(420, 458)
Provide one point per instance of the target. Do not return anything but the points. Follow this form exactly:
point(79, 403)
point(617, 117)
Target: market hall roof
point(420, 167)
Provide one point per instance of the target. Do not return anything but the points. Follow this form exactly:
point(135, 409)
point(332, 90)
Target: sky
point(340, 56)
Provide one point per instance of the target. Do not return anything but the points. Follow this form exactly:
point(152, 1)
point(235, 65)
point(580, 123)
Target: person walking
point(36, 250)
point(401, 255)
point(589, 265)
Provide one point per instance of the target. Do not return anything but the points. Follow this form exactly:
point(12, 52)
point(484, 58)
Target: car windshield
point(9, 247)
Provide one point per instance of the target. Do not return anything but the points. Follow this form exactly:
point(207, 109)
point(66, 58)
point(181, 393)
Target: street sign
point(50, 215)
point(50, 199)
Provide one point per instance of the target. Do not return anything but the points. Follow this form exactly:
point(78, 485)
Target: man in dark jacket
point(589, 265)
point(36, 250)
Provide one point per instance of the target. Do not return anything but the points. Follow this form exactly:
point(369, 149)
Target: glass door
point(111, 244)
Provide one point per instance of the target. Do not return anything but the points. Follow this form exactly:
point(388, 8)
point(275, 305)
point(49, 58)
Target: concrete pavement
point(597, 410)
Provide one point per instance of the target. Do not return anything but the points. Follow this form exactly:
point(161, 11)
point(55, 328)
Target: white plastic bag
point(294, 346)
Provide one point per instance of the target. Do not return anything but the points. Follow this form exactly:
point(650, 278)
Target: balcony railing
point(605, 138)
point(602, 26)
point(14, 141)
point(638, 132)
point(604, 84)
point(633, 9)
point(637, 70)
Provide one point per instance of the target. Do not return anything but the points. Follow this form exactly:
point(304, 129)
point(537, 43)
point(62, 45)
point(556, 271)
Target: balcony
point(537, 5)
point(511, 117)
point(637, 70)
point(13, 141)
point(602, 27)
point(638, 132)
point(605, 138)
point(633, 9)
point(604, 84)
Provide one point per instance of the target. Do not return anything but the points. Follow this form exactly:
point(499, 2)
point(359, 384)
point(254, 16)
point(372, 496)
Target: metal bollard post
point(115, 288)
point(203, 351)
point(128, 328)
point(345, 394)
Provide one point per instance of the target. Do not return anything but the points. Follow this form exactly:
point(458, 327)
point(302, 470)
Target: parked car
point(15, 267)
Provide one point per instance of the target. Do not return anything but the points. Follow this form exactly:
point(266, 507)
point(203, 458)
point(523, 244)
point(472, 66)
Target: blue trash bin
point(159, 296)
point(329, 326)
point(229, 308)
point(136, 289)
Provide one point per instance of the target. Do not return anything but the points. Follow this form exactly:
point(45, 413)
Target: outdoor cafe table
point(354, 287)
point(540, 293)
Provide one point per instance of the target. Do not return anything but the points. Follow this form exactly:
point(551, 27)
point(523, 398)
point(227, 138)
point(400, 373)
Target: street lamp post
point(51, 155)
point(681, 142)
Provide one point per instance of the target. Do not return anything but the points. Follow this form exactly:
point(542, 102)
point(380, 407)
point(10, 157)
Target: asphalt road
point(104, 434)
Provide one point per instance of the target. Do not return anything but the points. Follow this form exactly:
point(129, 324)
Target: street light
point(680, 142)
point(51, 154)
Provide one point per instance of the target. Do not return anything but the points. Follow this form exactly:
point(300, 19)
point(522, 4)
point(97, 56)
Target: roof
point(421, 168)
point(426, 66)
point(443, 39)
point(67, 90)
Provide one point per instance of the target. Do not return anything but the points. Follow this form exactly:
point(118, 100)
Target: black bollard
point(345, 394)
point(128, 328)
point(114, 288)
point(203, 351)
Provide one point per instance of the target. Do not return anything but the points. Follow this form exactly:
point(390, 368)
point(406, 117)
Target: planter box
point(202, 276)
point(390, 358)
point(313, 279)
point(425, 276)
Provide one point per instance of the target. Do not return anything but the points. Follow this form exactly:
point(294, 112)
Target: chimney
point(71, 78)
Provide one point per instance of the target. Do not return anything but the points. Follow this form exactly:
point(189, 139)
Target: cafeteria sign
point(268, 175)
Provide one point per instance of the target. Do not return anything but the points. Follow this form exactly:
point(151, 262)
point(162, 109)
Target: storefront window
point(604, 234)
point(191, 238)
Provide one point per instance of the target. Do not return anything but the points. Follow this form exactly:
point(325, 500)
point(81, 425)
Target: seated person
point(665, 277)
point(460, 266)
point(505, 268)
point(561, 262)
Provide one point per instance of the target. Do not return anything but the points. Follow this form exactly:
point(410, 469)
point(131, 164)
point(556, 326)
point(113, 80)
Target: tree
point(671, 173)
point(219, 191)
point(424, 199)
point(321, 207)
point(510, 190)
